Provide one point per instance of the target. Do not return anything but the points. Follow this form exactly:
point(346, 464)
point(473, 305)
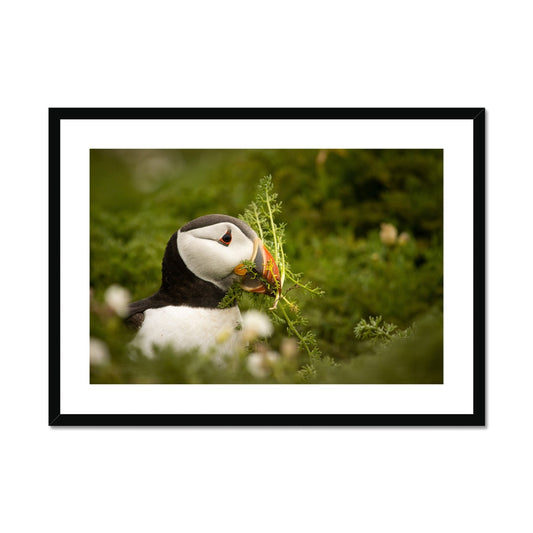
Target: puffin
point(202, 260)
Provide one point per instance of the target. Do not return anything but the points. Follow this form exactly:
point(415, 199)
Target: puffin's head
point(213, 247)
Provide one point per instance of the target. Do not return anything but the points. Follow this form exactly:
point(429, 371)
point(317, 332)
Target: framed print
point(261, 266)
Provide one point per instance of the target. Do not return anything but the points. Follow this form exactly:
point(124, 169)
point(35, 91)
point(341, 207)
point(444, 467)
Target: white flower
point(388, 234)
point(403, 238)
point(289, 347)
point(255, 324)
point(260, 364)
point(118, 299)
point(98, 352)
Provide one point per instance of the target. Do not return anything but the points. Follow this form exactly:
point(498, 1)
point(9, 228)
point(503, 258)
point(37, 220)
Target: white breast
point(188, 328)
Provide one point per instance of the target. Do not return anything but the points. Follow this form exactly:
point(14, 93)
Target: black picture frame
point(58, 418)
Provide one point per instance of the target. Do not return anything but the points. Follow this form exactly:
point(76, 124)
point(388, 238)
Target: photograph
point(266, 266)
point(262, 267)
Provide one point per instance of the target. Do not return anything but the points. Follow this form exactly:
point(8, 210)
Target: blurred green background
point(364, 225)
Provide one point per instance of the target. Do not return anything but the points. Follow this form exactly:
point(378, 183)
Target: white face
point(212, 252)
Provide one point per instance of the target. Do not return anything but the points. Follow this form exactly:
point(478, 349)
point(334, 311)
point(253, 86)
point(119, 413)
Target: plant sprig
point(377, 330)
point(261, 216)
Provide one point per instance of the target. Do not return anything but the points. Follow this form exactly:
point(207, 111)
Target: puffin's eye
point(225, 239)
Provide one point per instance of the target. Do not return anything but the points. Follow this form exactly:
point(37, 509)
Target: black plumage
point(179, 286)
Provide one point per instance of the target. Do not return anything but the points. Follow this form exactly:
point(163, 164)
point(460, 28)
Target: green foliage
point(261, 215)
point(377, 330)
point(233, 296)
point(334, 202)
point(412, 358)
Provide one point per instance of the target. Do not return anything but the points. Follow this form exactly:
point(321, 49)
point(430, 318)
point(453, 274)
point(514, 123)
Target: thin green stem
point(280, 259)
point(295, 331)
point(305, 286)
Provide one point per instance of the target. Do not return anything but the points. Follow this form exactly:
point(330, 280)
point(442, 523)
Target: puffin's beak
point(267, 269)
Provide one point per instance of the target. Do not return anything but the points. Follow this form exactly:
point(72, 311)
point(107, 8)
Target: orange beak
point(266, 278)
